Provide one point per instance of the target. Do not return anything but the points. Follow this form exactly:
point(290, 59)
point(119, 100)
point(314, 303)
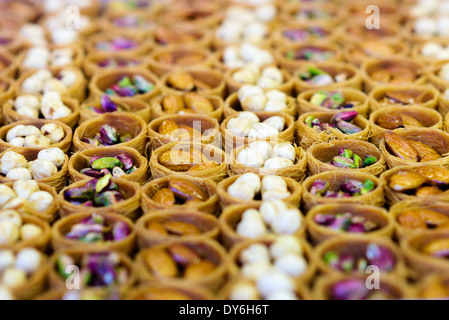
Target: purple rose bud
point(380, 256)
point(319, 187)
point(107, 104)
point(126, 160)
point(120, 231)
point(344, 116)
point(108, 135)
point(351, 289)
point(347, 127)
point(351, 186)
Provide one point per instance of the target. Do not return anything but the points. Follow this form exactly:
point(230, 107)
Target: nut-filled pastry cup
point(179, 192)
point(172, 225)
